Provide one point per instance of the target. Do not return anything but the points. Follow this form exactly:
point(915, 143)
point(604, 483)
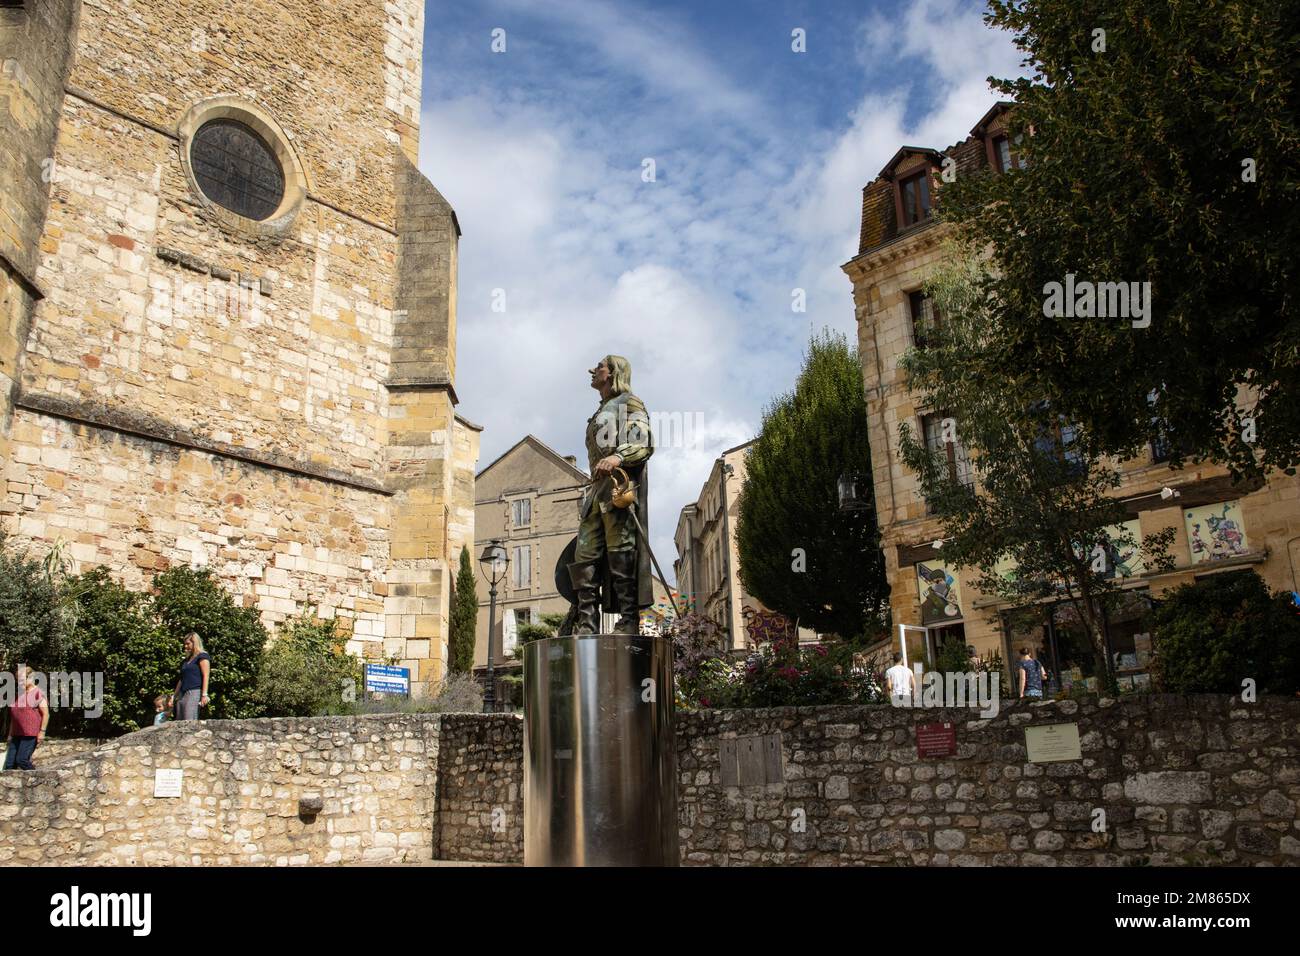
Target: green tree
point(306, 670)
point(1211, 635)
point(1043, 499)
point(117, 634)
point(464, 616)
point(186, 600)
point(31, 623)
point(799, 554)
point(1165, 150)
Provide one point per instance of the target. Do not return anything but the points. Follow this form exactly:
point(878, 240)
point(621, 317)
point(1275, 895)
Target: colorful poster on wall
point(1123, 560)
point(939, 592)
point(1005, 568)
point(1215, 532)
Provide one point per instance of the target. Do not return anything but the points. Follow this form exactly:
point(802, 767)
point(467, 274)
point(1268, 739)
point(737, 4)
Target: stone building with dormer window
point(1220, 527)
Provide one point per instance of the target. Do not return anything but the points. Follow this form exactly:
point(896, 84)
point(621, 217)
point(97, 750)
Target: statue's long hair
point(620, 371)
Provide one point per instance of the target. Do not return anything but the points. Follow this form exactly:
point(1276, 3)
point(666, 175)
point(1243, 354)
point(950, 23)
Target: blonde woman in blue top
point(192, 688)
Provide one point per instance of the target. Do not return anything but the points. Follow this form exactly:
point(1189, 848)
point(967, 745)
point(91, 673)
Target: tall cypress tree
point(464, 617)
point(799, 554)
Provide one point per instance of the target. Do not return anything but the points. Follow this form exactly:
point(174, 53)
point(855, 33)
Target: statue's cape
point(645, 591)
point(644, 567)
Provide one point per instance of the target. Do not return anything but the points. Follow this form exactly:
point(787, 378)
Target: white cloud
point(651, 45)
point(689, 276)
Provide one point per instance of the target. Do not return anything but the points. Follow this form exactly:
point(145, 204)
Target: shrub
point(537, 631)
point(787, 675)
point(187, 600)
point(993, 665)
point(528, 633)
point(457, 694)
point(306, 670)
point(782, 674)
point(953, 657)
point(699, 662)
point(86, 624)
point(1209, 636)
point(117, 634)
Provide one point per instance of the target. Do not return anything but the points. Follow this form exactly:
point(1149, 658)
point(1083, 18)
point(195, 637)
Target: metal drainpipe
point(884, 427)
point(1291, 561)
point(726, 554)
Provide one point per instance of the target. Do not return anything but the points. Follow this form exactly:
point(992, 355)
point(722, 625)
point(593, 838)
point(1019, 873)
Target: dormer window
point(1001, 155)
point(914, 197)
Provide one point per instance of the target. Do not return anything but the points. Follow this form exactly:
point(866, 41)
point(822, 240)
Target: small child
point(160, 709)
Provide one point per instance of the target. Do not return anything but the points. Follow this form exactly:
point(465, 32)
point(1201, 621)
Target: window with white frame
point(522, 566)
point(521, 512)
point(941, 438)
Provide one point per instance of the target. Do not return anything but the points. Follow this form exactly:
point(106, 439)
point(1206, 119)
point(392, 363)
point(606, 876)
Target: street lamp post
point(852, 489)
point(494, 560)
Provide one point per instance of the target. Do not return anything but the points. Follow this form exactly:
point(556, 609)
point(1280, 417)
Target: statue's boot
point(586, 586)
point(623, 581)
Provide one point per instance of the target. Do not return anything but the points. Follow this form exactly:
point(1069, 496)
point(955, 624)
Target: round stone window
point(241, 166)
point(236, 169)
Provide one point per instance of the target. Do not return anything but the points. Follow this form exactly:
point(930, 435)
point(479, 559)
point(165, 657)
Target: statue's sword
point(653, 560)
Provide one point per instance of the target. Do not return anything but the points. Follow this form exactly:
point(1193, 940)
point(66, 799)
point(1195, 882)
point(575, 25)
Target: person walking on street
point(192, 688)
point(28, 718)
point(901, 683)
point(1031, 675)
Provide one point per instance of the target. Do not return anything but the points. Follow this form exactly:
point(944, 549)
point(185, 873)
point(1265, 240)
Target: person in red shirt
point(28, 718)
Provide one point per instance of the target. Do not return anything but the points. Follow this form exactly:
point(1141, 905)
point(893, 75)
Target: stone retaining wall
point(375, 778)
point(480, 796)
point(52, 749)
point(1163, 780)
point(1180, 780)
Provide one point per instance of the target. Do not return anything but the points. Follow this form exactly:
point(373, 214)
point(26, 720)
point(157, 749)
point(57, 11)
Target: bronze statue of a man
point(611, 566)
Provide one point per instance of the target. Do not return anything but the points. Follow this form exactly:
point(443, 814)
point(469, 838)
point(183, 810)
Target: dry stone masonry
point(1180, 780)
point(273, 792)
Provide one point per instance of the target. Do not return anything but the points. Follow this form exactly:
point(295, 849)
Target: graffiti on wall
point(939, 592)
point(765, 626)
point(1215, 532)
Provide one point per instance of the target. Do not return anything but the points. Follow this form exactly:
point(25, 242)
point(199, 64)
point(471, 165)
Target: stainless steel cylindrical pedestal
point(600, 761)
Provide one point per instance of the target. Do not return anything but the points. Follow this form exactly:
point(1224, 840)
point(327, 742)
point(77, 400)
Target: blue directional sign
point(382, 679)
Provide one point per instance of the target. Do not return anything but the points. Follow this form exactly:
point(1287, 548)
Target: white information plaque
point(1048, 742)
point(167, 783)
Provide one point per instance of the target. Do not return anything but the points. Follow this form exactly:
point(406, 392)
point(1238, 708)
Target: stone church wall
point(1202, 780)
point(277, 405)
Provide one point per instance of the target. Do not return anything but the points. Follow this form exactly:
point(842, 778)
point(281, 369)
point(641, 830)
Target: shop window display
point(1059, 639)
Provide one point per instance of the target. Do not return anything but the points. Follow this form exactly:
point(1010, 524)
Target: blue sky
point(760, 155)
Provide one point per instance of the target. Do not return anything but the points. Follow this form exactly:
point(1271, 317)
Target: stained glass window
point(236, 169)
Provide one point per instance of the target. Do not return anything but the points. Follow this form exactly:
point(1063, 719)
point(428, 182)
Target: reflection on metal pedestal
point(600, 761)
